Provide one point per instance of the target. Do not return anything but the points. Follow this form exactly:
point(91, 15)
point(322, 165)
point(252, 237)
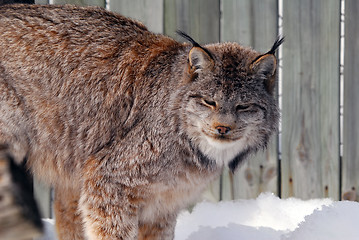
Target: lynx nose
point(222, 129)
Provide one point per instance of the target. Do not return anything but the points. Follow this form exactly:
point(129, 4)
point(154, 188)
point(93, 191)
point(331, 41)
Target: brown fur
point(68, 217)
point(128, 126)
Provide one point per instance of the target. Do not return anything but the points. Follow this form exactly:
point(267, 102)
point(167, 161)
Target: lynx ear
point(266, 66)
point(199, 59)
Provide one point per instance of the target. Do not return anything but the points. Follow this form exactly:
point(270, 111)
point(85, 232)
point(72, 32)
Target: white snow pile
point(266, 218)
point(271, 218)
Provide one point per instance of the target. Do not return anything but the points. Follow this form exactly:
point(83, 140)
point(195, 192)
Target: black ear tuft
point(276, 44)
point(194, 43)
point(188, 38)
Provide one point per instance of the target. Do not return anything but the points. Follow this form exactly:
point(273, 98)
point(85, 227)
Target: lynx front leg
point(68, 219)
point(161, 229)
point(108, 208)
point(108, 215)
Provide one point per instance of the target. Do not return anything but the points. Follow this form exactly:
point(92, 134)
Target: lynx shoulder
point(127, 125)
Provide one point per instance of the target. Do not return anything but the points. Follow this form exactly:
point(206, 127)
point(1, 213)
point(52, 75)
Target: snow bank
point(270, 218)
point(335, 222)
point(266, 218)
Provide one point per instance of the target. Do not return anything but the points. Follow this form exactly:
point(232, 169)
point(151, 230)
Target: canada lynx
point(127, 125)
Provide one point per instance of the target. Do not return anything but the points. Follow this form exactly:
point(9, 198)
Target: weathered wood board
point(310, 115)
point(149, 13)
point(198, 18)
point(350, 163)
point(100, 3)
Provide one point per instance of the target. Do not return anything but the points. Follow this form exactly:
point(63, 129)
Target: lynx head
point(229, 109)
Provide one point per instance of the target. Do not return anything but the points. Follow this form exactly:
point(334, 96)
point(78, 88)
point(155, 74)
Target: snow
point(265, 218)
point(49, 230)
point(270, 218)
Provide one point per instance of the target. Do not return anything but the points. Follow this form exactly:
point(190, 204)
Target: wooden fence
point(316, 153)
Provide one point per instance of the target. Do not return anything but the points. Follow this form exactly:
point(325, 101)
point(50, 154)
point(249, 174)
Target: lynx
point(128, 126)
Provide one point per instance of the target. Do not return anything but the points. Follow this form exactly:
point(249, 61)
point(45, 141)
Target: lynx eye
point(243, 107)
point(209, 103)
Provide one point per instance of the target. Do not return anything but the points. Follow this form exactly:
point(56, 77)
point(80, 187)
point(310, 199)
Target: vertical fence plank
point(41, 1)
point(310, 115)
point(350, 162)
point(237, 21)
point(149, 13)
point(100, 3)
point(251, 23)
point(200, 19)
